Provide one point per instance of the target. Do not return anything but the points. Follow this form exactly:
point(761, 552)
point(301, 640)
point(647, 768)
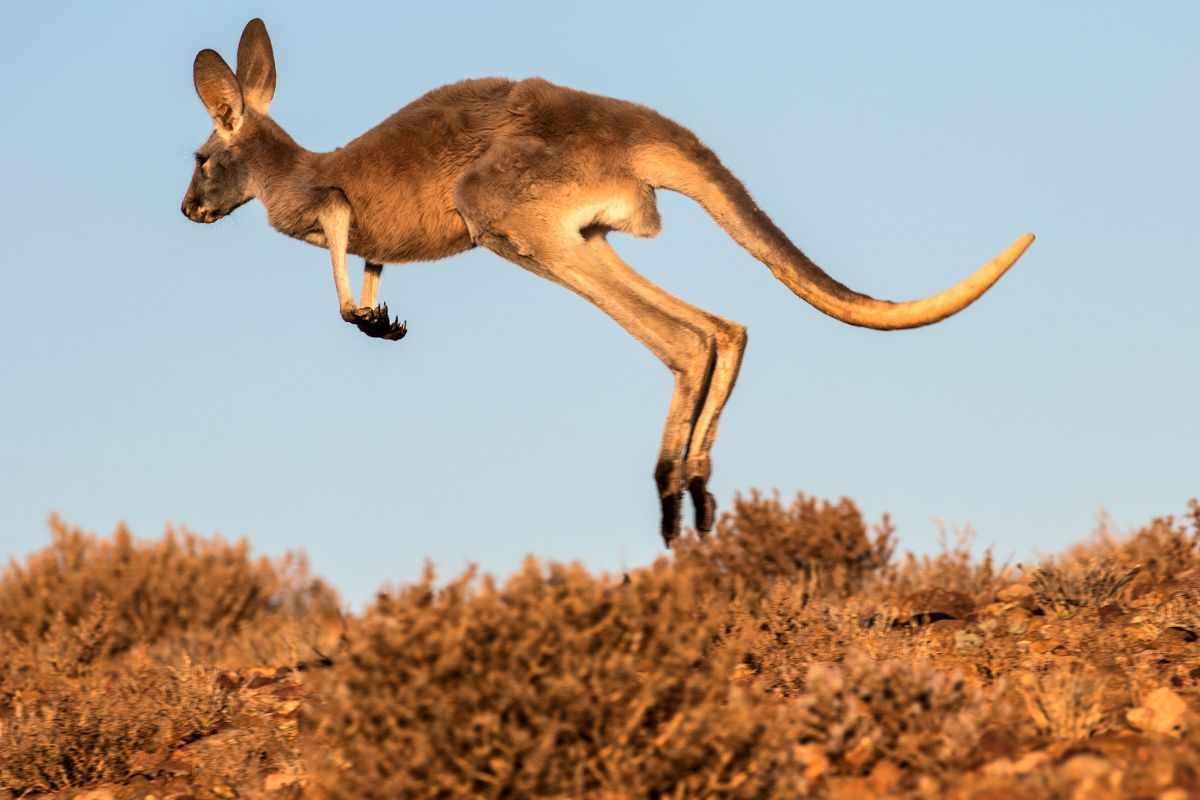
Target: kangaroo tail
point(685, 165)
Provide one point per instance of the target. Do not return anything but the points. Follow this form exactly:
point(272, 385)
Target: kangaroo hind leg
point(675, 332)
point(730, 342)
point(559, 233)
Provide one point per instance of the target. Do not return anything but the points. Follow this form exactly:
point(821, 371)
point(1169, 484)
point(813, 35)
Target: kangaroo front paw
point(376, 323)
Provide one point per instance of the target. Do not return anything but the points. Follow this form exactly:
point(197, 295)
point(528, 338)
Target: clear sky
point(157, 371)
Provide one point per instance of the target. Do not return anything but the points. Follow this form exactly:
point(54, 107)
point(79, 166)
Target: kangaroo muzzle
point(198, 212)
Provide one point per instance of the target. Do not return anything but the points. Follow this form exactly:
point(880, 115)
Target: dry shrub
point(1165, 547)
point(71, 723)
point(556, 684)
point(955, 568)
point(863, 711)
point(824, 546)
point(1065, 589)
point(776, 637)
point(155, 590)
point(1065, 701)
point(1181, 612)
point(109, 653)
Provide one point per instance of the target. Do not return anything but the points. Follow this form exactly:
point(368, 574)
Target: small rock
point(1016, 620)
point(281, 780)
point(288, 706)
point(848, 789)
point(291, 692)
point(941, 633)
point(230, 680)
point(1042, 646)
point(931, 605)
point(1174, 636)
point(884, 777)
point(1086, 765)
point(998, 741)
point(813, 757)
point(96, 794)
point(1162, 711)
point(260, 677)
point(1007, 767)
point(1014, 593)
point(861, 753)
point(142, 763)
point(994, 610)
point(1030, 762)
point(966, 641)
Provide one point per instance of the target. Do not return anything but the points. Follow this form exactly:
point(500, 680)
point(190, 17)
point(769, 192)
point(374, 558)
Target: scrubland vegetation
point(792, 654)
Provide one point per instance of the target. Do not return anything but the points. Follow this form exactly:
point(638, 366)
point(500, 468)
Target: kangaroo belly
point(416, 236)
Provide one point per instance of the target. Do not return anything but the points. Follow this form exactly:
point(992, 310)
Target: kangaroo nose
point(195, 211)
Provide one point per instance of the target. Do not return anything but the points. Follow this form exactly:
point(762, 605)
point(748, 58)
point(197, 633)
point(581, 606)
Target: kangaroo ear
point(256, 66)
point(219, 91)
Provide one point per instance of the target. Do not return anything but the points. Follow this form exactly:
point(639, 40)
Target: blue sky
point(156, 371)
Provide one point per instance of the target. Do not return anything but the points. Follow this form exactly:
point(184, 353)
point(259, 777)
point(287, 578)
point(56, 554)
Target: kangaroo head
point(223, 177)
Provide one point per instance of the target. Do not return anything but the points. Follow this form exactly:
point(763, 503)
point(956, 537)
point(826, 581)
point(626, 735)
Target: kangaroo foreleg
point(334, 219)
point(372, 320)
point(372, 272)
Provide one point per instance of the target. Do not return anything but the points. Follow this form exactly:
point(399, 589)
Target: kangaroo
point(539, 174)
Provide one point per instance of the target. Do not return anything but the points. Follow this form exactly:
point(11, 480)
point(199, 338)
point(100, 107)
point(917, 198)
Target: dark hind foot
point(376, 323)
point(668, 478)
point(672, 511)
point(705, 506)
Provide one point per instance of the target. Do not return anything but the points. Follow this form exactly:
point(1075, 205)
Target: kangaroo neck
point(283, 178)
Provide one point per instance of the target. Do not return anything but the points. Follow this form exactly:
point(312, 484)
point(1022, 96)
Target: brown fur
point(539, 174)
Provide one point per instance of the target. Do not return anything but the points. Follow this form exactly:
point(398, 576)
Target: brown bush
point(109, 651)
point(1164, 549)
point(864, 711)
point(823, 546)
point(956, 568)
point(71, 723)
point(556, 684)
point(1066, 589)
point(154, 590)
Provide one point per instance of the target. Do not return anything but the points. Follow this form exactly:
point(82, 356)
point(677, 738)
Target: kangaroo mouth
point(207, 216)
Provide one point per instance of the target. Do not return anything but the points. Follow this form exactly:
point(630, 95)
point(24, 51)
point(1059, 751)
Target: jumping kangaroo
point(540, 175)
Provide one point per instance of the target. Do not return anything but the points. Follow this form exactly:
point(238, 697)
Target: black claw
point(378, 323)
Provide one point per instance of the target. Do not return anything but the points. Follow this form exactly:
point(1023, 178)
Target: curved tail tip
point(1016, 249)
